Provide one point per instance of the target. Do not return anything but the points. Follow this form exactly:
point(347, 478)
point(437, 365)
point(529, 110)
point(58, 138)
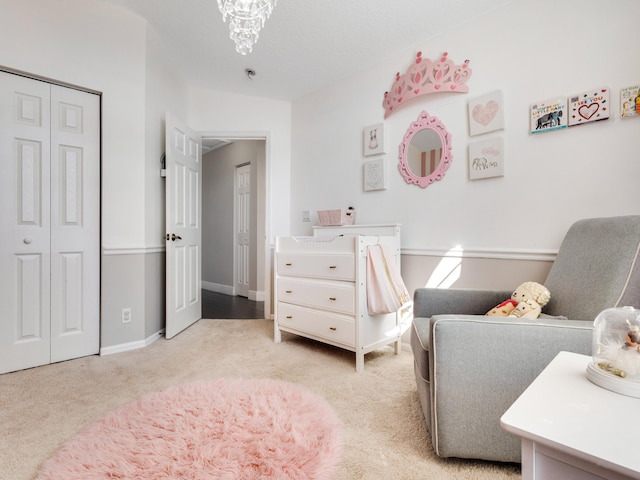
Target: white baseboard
point(218, 288)
point(125, 347)
point(255, 296)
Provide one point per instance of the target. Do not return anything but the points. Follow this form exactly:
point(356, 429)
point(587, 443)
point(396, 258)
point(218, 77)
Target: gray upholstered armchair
point(470, 368)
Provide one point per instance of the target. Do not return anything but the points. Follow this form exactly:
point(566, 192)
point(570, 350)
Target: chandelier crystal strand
point(246, 18)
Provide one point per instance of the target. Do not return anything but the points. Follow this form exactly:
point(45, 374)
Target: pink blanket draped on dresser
point(386, 291)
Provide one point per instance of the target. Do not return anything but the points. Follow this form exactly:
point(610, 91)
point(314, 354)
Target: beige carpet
point(42, 407)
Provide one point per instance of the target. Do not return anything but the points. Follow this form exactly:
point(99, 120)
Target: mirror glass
point(425, 152)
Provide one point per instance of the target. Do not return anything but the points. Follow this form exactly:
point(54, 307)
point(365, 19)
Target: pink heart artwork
point(588, 111)
point(589, 106)
point(483, 114)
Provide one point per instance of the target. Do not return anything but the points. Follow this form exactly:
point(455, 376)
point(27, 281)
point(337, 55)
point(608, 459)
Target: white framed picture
point(630, 101)
point(589, 106)
point(486, 159)
point(548, 115)
point(375, 175)
point(373, 140)
point(486, 113)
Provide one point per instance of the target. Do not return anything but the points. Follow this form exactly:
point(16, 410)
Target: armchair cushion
point(479, 367)
point(435, 301)
point(597, 267)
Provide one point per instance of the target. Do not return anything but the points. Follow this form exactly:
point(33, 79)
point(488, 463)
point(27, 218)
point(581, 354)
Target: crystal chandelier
point(246, 18)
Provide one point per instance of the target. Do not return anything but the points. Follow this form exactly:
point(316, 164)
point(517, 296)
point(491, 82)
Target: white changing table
point(320, 289)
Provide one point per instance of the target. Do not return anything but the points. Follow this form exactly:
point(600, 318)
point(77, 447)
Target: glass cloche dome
point(615, 363)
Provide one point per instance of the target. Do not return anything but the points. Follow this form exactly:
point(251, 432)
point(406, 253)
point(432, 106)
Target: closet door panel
point(75, 223)
point(24, 222)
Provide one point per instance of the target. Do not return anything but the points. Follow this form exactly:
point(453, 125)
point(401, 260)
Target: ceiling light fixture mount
point(246, 18)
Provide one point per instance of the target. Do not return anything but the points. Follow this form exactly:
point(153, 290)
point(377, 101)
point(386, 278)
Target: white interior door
point(49, 218)
point(75, 223)
point(184, 226)
point(243, 228)
point(25, 328)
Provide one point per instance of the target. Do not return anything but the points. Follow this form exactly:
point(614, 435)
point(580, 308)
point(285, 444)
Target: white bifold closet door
point(49, 223)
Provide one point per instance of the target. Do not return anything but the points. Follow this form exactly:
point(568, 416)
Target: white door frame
point(266, 263)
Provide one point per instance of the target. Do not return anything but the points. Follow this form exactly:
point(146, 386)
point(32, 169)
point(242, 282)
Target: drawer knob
point(288, 291)
point(332, 299)
point(333, 266)
point(333, 328)
point(288, 264)
point(289, 316)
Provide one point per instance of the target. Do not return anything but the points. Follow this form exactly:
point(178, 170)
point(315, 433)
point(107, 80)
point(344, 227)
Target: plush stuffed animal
point(526, 302)
point(503, 309)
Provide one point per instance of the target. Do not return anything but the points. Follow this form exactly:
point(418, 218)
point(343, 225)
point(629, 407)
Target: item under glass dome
point(615, 363)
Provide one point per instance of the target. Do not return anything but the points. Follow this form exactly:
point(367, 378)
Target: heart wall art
point(486, 113)
point(590, 106)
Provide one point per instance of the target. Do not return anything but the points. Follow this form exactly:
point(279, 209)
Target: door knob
point(175, 237)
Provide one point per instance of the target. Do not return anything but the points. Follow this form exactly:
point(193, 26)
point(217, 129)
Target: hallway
point(220, 306)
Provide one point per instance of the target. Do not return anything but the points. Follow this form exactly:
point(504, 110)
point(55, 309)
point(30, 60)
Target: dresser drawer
point(329, 326)
point(335, 266)
point(335, 296)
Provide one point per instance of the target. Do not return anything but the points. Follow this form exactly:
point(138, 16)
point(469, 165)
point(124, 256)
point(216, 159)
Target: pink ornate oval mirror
point(425, 151)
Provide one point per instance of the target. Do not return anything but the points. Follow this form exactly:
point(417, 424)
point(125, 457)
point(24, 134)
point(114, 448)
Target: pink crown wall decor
point(425, 76)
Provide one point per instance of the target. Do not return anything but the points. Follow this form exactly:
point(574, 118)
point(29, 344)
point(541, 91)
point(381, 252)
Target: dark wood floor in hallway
point(220, 306)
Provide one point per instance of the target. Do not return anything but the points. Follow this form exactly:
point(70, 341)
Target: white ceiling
point(305, 45)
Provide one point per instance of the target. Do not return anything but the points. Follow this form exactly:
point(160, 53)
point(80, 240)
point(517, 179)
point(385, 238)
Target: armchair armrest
point(478, 367)
point(435, 301)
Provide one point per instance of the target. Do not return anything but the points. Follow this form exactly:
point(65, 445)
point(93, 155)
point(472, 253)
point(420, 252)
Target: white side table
point(573, 429)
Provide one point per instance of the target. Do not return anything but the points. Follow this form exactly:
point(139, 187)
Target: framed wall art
point(486, 113)
point(630, 101)
point(548, 115)
point(375, 175)
point(590, 106)
point(373, 140)
point(486, 159)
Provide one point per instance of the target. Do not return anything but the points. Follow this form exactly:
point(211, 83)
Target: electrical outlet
point(306, 215)
point(126, 315)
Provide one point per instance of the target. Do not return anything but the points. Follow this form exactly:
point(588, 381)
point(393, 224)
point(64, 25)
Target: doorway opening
point(234, 235)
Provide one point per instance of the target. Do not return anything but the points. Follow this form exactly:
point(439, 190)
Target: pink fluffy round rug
point(222, 429)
